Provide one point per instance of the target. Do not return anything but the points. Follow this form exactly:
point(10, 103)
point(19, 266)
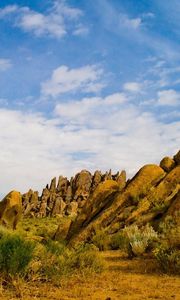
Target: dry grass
point(137, 279)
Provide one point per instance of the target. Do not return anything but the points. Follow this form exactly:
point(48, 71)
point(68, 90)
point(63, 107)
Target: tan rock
point(11, 209)
point(59, 207)
point(71, 209)
point(167, 164)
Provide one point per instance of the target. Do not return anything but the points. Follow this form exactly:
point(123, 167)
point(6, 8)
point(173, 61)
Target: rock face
point(11, 209)
point(149, 196)
point(67, 197)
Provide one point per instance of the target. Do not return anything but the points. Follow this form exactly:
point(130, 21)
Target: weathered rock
point(82, 184)
point(62, 186)
point(59, 207)
point(71, 209)
point(62, 230)
point(11, 209)
point(100, 199)
point(53, 185)
point(121, 179)
point(30, 203)
point(69, 194)
point(177, 158)
point(167, 164)
point(43, 205)
point(147, 178)
point(97, 178)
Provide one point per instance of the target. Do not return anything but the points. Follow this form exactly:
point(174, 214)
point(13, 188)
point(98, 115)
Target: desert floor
point(123, 279)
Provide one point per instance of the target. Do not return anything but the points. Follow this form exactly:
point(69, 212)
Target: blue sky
point(86, 84)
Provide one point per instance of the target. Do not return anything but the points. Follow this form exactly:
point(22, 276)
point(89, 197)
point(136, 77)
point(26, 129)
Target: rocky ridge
point(151, 196)
point(67, 197)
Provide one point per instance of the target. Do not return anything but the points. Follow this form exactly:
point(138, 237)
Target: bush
point(168, 259)
point(57, 261)
point(101, 239)
point(134, 240)
point(15, 255)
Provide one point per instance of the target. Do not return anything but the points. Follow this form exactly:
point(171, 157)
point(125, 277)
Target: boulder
point(167, 164)
point(82, 184)
point(11, 209)
point(30, 203)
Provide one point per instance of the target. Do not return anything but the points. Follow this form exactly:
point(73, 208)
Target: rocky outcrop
point(67, 197)
point(149, 196)
point(11, 209)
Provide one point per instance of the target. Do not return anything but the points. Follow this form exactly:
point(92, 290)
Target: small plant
point(101, 239)
point(15, 255)
point(168, 258)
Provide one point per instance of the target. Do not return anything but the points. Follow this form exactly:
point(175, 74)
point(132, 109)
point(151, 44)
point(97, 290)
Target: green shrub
point(119, 241)
point(15, 255)
point(168, 259)
point(101, 239)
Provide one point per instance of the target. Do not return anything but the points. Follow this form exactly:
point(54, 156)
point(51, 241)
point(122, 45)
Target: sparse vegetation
point(15, 255)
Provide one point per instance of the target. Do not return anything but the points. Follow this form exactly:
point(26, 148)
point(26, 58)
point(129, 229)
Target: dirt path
point(136, 279)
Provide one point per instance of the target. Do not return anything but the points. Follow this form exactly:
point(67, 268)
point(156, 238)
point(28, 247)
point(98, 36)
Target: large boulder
point(167, 164)
point(11, 209)
point(82, 184)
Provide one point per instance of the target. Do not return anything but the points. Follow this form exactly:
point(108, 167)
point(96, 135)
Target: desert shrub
point(15, 255)
point(86, 257)
point(101, 239)
point(119, 241)
point(58, 261)
point(168, 259)
point(134, 240)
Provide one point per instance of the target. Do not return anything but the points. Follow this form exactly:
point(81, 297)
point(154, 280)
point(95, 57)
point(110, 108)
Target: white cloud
point(132, 23)
point(81, 31)
point(133, 87)
point(5, 64)
point(7, 10)
point(34, 149)
point(77, 112)
point(168, 98)
point(53, 23)
point(65, 80)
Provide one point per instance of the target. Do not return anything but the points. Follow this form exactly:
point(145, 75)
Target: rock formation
point(68, 197)
point(11, 209)
point(149, 196)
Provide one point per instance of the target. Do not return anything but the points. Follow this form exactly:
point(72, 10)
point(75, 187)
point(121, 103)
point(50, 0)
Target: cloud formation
point(64, 80)
point(168, 98)
point(53, 22)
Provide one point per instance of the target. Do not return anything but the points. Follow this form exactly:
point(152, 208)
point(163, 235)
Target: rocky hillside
point(151, 196)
